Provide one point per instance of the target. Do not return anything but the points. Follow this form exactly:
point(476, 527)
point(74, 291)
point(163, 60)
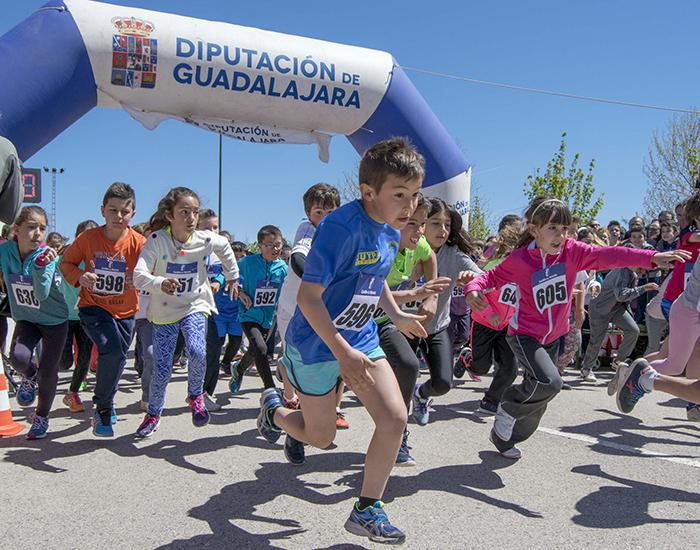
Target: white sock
point(646, 380)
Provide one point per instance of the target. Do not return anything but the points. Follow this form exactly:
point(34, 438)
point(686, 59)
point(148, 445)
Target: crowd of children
point(364, 295)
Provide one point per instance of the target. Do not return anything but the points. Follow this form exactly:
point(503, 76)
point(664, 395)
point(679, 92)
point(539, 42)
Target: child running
point(108, 299)
point(544, 268)
point(39, 311)
point(173, 269)
point(332, 333)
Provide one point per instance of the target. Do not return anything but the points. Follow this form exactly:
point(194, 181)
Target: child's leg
point(257, 336)
point(164, 342)
point(66, 359)
point(314, 424)
point(684, 332)
point(680, 387)
point(82, 363)
point(232, 347)
point(623, 320)
point(599, 328)
point(214, 343)
point(401, 358)
point(523, 405)
point(440, 365)
point(144, 328)
point(507, 369)
point(193, 328)
point(53, 340)
point(24, 340)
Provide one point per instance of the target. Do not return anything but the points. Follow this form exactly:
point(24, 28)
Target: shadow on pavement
point(627, 504)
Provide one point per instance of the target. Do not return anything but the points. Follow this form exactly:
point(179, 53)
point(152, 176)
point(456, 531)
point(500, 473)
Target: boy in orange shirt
point(101, 262)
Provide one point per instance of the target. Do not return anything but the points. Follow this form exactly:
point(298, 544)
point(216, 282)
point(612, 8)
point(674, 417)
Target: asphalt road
point(589, 478)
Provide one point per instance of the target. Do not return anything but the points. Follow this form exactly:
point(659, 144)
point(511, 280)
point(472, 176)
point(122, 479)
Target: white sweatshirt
point(163, 258)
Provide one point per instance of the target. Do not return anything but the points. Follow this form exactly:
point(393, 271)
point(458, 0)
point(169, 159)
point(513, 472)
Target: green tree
point(479, 223)
point(673, 163)
point(572, 184)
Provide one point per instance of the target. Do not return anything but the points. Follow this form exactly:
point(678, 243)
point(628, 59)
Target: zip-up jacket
point(261, 281)
point(545, 283)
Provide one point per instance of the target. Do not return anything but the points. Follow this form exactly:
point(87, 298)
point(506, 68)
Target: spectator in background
point(603, 235)
point(56, 241)
point(665, 216)
point(653, 232)
point(614, 232)
point(680, 217)
point(667, 240)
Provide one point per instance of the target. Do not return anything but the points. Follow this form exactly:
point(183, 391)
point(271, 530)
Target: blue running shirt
point(351, 256)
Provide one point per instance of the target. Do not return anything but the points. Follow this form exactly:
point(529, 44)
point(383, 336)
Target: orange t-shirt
point(114, 264)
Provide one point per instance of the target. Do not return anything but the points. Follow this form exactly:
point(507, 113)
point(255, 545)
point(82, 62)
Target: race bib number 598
point(549, 287)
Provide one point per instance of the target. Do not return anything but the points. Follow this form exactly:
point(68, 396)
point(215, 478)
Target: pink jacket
point(544, 284)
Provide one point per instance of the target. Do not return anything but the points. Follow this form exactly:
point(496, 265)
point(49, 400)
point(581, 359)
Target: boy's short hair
point(239, 246)
point(322, 194)
point(422, 203)
point(672, 225)
point(206, 213)
point(122, 191)
point(395, 157)
point(269, 231)
point(692, 207)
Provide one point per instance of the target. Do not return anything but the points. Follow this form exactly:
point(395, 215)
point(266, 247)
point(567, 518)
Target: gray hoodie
point(619, 286)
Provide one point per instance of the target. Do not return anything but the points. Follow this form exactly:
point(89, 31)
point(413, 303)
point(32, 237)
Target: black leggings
point(24, 342)
point(401, 357)
point(489, 346)
point(257, 351)
point(232, 347)
point(438, 351)
point(84, 345)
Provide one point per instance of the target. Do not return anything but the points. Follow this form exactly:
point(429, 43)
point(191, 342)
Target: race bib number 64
point(549, 287)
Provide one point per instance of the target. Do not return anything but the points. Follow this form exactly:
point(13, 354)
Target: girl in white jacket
point(173, 268)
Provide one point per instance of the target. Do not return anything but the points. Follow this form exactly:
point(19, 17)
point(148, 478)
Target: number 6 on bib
point(549, 287)
point(362, 305)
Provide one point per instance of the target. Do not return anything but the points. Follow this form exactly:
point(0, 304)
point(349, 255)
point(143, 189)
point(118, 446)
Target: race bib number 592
point(549, 287)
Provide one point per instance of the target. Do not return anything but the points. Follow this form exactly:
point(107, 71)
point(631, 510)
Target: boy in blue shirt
point(333, 335)
point(260, 280)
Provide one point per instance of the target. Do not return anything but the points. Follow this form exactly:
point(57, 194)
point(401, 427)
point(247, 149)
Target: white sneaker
point(694, 413)
point(503, 424)
point(212, 406)
point(612, 385)
point(514, 453)
point(587, 375)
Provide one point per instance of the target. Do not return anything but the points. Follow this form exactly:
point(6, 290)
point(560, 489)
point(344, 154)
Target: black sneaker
point(488, 406)
point(404, 457)
point(294, 451)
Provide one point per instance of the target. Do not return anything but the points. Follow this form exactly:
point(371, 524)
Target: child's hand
point(245, 299)
point(410, 325)
point(170, 286)
point(594, 289)
point(215, 287)
point(432, 287)
point(428, 308)
point(466, 277)
point(355, 369)
point(650, 287)
point(666, 259)
point(232, 289)
point(475, 300)
point(87, 280)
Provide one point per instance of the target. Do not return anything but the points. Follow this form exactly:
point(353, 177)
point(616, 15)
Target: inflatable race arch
point(250, 84)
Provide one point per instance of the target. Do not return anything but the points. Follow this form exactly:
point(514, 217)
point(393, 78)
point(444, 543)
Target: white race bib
point(414, 305)
point(362, 306)
point(509, 295)
point(186, 274)
point(549, 287)
point(23, 291)
point(111, 276)
point(458, 292)
point(265, 294)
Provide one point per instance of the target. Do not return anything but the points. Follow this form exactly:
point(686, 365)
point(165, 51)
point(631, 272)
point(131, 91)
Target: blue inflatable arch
point(255, 85)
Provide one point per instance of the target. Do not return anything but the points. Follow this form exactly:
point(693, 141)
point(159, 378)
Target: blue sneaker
point(404, 457)
point(102, 425)
point(294, 451)
point(373, 523)
point(234, 385)
point(40, 425)
point(270, 400)
point(629, 389)
point(693, 412)
point(420, 412)
point(26, 392)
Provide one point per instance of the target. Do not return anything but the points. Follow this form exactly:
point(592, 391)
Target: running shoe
point(40, 425)
point(234, 385)
point(404, 457)
point(629, 389)
point(693, 412)
point(465, 357)
point(26, 392)
point(226, 369)
point(101, 424)
point(420, 412)
point(460, 366)
point(503, 424)
point(148, 426)
point(73, 402)
point(373, 523)
point(488, 406)
point(83, 386)
point(270, 401)
point(513, 452)
point(113, 418)
point(200, 415)
point(340, 422)
point(615, 380)
point(291, 403)
point(566, 387)
point(294, 451)
point(211, 405)
point(587, 375)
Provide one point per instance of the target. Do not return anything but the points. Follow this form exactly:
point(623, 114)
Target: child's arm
point(69, 266)
point(624, 293)
point(43, 271)
point(609, 257)
point(497, 277)
point(407, 323)
point(222, 248)
point(144, 279)
point(428, 306)
point(579, 305)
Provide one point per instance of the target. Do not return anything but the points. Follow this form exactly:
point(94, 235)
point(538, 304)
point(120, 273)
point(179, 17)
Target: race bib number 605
point(549, 287)
point(362, 305)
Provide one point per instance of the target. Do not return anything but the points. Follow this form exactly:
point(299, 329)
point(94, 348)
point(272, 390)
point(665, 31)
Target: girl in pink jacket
point(543, 268)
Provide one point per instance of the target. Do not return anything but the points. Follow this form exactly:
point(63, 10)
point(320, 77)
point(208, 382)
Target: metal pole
point(54, 174)
point(220, 154)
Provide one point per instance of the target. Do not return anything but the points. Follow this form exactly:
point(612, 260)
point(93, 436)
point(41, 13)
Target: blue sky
point(642, 51)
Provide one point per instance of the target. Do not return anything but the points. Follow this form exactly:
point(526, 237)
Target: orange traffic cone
point(8, 426)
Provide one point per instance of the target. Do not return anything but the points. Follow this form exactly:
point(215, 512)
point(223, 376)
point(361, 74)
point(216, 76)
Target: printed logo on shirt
point(367, 257)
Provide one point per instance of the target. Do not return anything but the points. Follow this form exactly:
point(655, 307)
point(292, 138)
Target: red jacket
point(544, 284)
